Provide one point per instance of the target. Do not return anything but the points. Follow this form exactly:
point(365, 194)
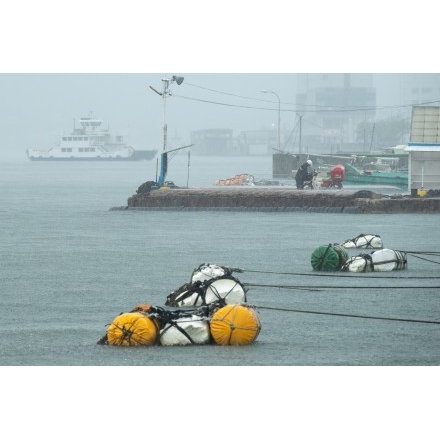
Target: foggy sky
point(176, 38)
point(38, 107)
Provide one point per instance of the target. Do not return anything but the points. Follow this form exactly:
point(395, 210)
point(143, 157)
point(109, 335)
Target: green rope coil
point(329, 258)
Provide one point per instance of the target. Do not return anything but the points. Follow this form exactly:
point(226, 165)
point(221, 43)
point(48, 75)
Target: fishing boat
point(354, 176)
point(90, 141)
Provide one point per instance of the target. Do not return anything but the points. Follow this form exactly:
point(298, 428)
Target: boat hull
point(353, 176)
point(401, 182)
point(89, 141)
point(136, 156)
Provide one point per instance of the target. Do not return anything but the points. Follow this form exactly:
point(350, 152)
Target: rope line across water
point(348, 315)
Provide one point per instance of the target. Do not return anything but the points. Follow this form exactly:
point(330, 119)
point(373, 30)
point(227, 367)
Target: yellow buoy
point(235, 324)
point(132, 329)
point(421, 192)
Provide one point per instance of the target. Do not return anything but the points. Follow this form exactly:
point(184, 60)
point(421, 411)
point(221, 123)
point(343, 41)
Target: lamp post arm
point(279, 115)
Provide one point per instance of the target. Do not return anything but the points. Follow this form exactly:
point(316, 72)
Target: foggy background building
point(331, 106)
point(334, 113)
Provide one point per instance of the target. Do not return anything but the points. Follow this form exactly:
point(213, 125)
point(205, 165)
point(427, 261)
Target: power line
point(308, 108)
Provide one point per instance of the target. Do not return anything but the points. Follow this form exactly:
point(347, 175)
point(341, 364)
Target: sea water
point(70, 265)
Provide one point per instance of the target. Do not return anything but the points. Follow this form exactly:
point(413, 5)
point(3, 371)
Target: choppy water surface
point(69, 266)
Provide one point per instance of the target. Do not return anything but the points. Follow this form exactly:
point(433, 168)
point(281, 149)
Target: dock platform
point(282, 199)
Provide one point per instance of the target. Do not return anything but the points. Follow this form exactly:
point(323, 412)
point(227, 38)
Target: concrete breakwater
point(254, 198)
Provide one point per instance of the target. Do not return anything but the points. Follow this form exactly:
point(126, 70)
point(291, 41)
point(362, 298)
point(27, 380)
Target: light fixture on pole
point(279, 116)
point(165, 93)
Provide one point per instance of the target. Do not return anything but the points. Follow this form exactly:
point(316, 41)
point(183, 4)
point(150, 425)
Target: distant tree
point(391, 131)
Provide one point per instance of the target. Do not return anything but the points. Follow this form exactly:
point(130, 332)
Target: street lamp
point(279, 116)
point(164, 94)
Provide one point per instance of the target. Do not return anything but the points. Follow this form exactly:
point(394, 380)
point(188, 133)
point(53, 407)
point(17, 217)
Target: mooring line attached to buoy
point(347, 315)
point(336, 274)
point(317, 288)
point(424, 259)
point(311, 289)
point(437, 253)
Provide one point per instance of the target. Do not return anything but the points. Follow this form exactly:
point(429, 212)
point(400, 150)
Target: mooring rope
point(335, 274)
point(349, 315)
point(436, 253)
point(318, 288)
point(424, 259)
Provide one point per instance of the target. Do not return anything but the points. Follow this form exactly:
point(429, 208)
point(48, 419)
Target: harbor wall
point(279, 199)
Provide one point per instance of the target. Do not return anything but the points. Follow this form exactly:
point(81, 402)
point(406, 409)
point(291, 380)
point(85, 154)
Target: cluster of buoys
point(363, 241)
point(334, 257)
point(208, 283)
point(211, 308)
point(383, 260)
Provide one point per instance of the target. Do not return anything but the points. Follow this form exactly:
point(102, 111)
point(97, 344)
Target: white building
point(424, 148)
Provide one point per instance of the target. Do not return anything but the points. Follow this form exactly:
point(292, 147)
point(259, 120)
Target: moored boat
point(90, 142)
point(354, 176)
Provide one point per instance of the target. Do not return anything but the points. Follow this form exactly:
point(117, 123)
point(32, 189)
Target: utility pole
point(164, 94)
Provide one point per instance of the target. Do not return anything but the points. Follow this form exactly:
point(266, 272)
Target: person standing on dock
point(304, 173)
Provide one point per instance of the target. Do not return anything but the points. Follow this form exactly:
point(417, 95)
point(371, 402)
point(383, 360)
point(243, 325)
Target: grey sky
point(181, 38)
point(37, 107)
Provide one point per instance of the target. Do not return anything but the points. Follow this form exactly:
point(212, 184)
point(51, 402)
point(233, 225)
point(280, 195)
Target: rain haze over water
point(60, 62)
point(39, 107)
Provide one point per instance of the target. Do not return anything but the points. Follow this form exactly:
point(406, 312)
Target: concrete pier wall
point(279, 199)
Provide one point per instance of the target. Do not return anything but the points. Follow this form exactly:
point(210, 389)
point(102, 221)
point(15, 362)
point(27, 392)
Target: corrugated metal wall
point(425, 125)
point(424, 148)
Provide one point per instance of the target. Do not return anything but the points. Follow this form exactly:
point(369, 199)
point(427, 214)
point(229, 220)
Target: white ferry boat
point(90, 141)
